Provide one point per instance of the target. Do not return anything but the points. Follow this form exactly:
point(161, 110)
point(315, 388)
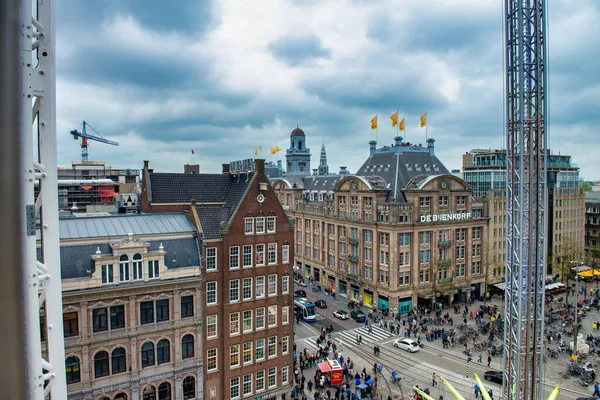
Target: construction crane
point(86, 136)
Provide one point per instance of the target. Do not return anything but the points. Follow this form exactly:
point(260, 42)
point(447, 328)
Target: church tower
point(298, 155)
point(323, 167)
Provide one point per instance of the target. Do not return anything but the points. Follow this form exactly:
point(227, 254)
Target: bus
point(305, 308)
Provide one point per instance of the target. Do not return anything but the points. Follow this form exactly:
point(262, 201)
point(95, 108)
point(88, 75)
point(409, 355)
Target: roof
point(297, 132)
point(76, 261)
point(121, 224)
point(398, 165)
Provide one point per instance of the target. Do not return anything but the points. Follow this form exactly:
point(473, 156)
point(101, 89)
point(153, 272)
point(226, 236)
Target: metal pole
point(575, 355)
point(12, 345)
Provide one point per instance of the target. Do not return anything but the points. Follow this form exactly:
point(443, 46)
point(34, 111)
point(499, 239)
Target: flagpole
point(377, 127)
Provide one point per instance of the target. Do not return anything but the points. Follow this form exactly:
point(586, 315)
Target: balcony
point(445, 281)
point(445, 243)
point(444, 263)
point(353, 258)
point(353, 276)
point(352, 240)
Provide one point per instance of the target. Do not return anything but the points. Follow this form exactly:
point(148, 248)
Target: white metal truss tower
point(526, 77)
point(42, 280)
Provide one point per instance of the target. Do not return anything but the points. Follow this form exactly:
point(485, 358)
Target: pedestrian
point(480, 357)
point(433, 379)
point(491, 394)
point(489, 359)
point(477, 391)
point(596, 389)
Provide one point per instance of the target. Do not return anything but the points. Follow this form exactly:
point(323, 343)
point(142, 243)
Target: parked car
point(341, 314)
point(300, 283)
point(357, 315)
point(320, 304)
point(493, 376)
point(406, 344)
point(300, 293)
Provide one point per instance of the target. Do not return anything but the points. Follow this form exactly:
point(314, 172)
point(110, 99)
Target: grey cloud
point(299, 50)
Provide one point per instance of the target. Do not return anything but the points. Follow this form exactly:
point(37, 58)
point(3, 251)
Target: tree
point(568, 255)
point(490, 268)
point(586, 186)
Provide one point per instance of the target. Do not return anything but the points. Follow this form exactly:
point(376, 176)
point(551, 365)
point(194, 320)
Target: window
point(101, 364)
point(383, 257)
point(424, 256)
point(107, 273)
point(272, 288)
point(234, 290)
point(247, 289)
point(460, 252)
point(443, 201)
point(260, 350)
point(476, 233)
point(247, 384)
point(137, 267)
point(460, 270)
point(123, 268)
point(284, 375)
point(424, 201)
point(383, 277)
point(211, 326)
point(248, 226)
point(163, 350)
point(162, 310)
point(272, 316)
point(260, 318)
point(72, 370)
point(187, 347)
point(285, 254)
point(285, 345)
point(189, 388)
point(146, 312)
point(147, 354)
point(272, 346)
point(117, 317)
point(234, 355)
point(260, 381)
point(476, 268)
point(403, 239)
point(153, 269)
point(100, 319)
point(460, 235)
point(424, 275)
point(272, 253)
point(272, 377)
point(260, 287)
point(271, 224)
point(424, 238)
point(384, 239)
point(247, 257)
point(404, 259)
point(285, 315)
point(260, 254)
point(403, 278)
point(211, 360)
point(187, 306)
point(368, 236)
point(164, 391)
point(211, 293)
point(285, 284)
point(476, 250)
point(234, 323)
point(234, 257)
point(247, 320)
point(70, 324)
point(211, 259)
point(460, 200)
point(234, 388)
point(260, 225)
point(247, 352)
point(118, 361)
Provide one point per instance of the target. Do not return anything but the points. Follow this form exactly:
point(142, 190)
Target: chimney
point(226, 168)
point(430, 145)
point(259, 165)
point(398, 140)
point(191, 169)
point(372, 147)
point(146, 162)
point(343, 171)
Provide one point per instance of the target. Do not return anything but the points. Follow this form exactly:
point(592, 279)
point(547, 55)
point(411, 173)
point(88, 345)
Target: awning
point(426, 295)
point(324, 367)
point(500, 286)
point(466, 289)
point(581, 268)
point(589, 273)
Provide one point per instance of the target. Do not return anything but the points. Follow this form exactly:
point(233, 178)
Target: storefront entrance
point(342, 288)
point(367, 298)
point(354, 293)
point(405, 304)
point(316, 275)
point(383, 302)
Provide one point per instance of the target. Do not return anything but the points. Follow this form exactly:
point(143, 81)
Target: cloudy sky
point(223, 77)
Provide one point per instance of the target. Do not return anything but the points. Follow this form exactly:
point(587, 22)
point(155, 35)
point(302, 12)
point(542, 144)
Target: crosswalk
point(348, 338)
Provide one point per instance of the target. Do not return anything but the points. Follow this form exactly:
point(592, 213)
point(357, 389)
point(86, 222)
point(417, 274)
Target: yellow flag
point(402, 125)
point(255, 151)
point(423, 119)
point(272, 151)
point(260, 149)
point(277, 149)
point(374, 123)
point(394, 118)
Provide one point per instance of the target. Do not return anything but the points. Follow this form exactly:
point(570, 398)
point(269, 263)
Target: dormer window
point(417, 167)
point(426, 166)
point(436, 167)
point(408, 167)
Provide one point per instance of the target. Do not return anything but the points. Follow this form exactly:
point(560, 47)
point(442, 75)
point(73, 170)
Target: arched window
point(119, 363)
point(189, 388)
point(149, 393)
point(163, 352)
point(101, 364)
point(187, 346)
point(123, 268)
point(121, 396)
point(137, 267)
point(147, 354)
point(164, 391)
point(72, 369)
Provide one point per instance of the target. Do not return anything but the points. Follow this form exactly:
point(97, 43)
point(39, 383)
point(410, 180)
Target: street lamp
point(575, 330)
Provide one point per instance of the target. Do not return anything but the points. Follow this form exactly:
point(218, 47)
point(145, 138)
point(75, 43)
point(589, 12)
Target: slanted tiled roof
point(76, 260)
point(320, 182)
point(183, 188)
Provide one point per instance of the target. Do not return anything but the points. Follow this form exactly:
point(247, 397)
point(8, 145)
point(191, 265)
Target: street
point(417, 368)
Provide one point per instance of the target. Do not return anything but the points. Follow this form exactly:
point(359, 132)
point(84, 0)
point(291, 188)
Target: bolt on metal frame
point(42, 279)
point(526, 110)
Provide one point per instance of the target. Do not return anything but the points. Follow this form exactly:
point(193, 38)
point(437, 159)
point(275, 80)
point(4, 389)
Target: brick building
point(131, 298)
point(247, 299)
